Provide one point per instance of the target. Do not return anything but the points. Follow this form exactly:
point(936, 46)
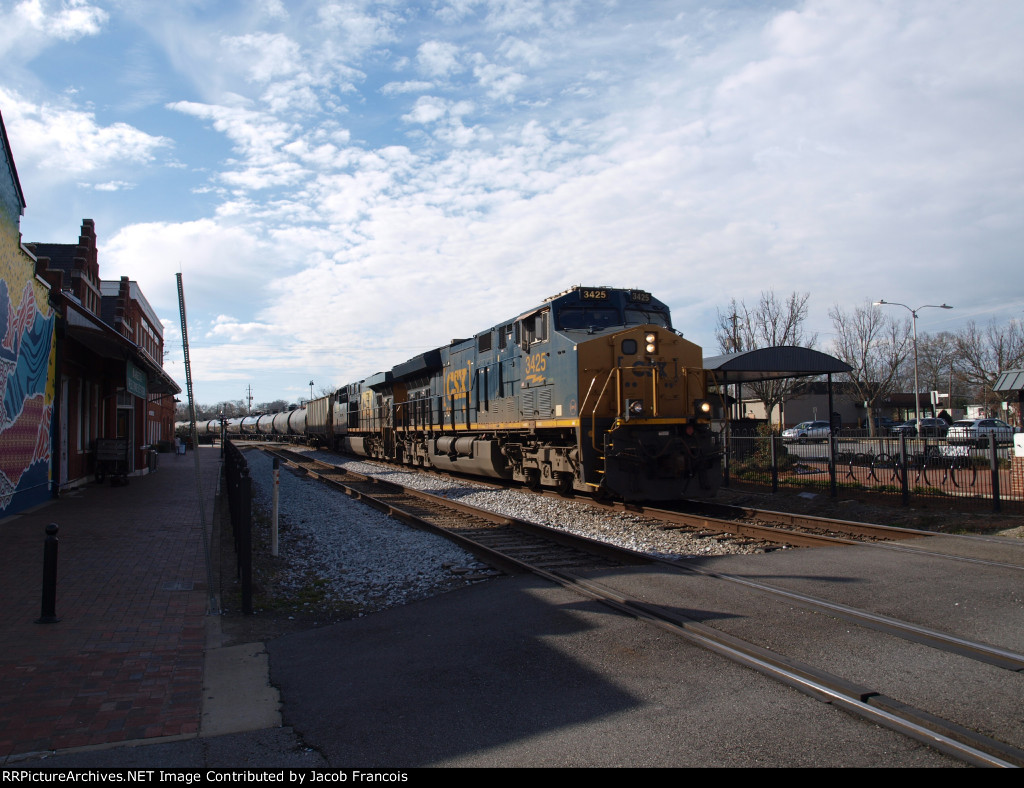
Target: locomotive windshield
point(643, 317)
point(588, 318)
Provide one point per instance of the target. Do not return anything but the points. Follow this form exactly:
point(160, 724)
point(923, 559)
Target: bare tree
point(771, 323)
point(939, 367)
point(985, 353)
point(875, 345)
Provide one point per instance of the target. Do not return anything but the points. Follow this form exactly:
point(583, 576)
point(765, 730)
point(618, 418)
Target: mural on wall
point(26, 376)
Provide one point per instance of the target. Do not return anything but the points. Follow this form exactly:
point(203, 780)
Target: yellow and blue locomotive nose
point(646, 415)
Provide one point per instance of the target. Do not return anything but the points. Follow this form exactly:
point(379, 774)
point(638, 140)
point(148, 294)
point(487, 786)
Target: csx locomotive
point(590, 391)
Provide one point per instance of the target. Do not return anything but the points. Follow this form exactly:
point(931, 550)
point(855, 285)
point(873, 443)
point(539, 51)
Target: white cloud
point(66, 20)
point(264, 56)
point(438, 59)
point(218, 260)
point(501, 82)
point(359, 31)
point(228, 329)
point(412, 86)
point(260, 138)
point(109, 186)
point(528, 53)
point(427, 109)
point(62, 143)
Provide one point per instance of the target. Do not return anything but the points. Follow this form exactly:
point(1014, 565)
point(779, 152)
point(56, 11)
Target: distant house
point(809, 402)
point(112, 381)
point(27, 373)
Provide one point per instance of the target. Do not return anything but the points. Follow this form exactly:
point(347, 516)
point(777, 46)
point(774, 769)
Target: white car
point(807, 431)
point(978, 430)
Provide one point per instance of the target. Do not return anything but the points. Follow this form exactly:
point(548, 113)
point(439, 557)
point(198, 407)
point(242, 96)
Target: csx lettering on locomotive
point(455, 382)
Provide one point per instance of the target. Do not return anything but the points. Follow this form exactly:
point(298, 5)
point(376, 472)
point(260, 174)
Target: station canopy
point(773, 363)
point(1010, 382)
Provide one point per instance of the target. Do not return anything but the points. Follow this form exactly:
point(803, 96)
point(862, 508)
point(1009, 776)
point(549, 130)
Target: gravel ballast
point(343, 558)
point(581, 518)
point(340, 558)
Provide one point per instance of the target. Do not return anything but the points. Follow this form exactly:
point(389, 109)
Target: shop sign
point(135, 380)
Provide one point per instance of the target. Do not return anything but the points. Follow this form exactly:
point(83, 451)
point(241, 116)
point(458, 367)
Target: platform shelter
point(774, 364)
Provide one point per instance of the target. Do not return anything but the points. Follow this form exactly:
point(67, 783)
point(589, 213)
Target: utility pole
point(738, 406)
point(212, 599)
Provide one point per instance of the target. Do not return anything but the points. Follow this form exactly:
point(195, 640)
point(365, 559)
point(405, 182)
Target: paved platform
point(125, 661)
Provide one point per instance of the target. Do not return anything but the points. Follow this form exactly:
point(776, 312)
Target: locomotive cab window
point(535, 328)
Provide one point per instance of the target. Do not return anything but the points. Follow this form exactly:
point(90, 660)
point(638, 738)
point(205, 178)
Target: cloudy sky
point(345, 184)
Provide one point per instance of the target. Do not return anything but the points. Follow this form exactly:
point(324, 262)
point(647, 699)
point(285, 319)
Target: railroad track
point(769, 528)
point(510, 543)
point(567, 560)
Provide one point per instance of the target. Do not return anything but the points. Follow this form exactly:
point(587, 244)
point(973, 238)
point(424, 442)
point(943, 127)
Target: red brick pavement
point(126, 660)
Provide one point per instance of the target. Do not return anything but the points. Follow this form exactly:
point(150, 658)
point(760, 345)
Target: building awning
point(773, 363)
point(105, 342)
point(1010, 382)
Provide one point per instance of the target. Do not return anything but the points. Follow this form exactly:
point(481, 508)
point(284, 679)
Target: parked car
point(883, 426)
point(978, 430)
point(807, 431)
point(929, 428)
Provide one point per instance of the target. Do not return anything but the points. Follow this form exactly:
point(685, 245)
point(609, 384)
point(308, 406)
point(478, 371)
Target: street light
point(917, 400)
point(311, 391)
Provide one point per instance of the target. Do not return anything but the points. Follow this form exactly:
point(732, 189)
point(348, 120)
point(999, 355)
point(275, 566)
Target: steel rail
point(824, 523)
point(981, 652)
point(583, 545)
point(943, 735)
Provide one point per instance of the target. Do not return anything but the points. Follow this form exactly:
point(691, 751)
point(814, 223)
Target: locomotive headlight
point(634, 407)
point(651, 342)
point(702, 408)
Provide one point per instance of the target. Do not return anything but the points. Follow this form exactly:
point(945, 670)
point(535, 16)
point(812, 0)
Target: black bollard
point(49, 612)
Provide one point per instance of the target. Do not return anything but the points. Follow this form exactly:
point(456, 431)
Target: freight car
point(592, 391)
point(207, 430)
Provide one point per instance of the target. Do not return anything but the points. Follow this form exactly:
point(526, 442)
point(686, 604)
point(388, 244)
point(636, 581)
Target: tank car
point(592, 390)
point(289, 425)
point(207, 430)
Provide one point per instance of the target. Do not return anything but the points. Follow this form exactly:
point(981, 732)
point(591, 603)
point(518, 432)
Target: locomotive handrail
point(583, 405)
point(654, 391)
point(593, 413)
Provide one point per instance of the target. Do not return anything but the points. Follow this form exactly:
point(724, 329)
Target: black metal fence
point(973, 474)
point(238, 487)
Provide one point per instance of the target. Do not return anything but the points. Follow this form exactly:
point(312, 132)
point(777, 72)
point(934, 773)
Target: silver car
point(807, 431)
point(978, 430)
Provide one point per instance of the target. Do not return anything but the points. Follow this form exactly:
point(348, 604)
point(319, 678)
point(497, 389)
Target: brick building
point(110, 359)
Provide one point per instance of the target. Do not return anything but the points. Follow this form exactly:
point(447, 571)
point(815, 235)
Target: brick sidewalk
point(126, 660)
